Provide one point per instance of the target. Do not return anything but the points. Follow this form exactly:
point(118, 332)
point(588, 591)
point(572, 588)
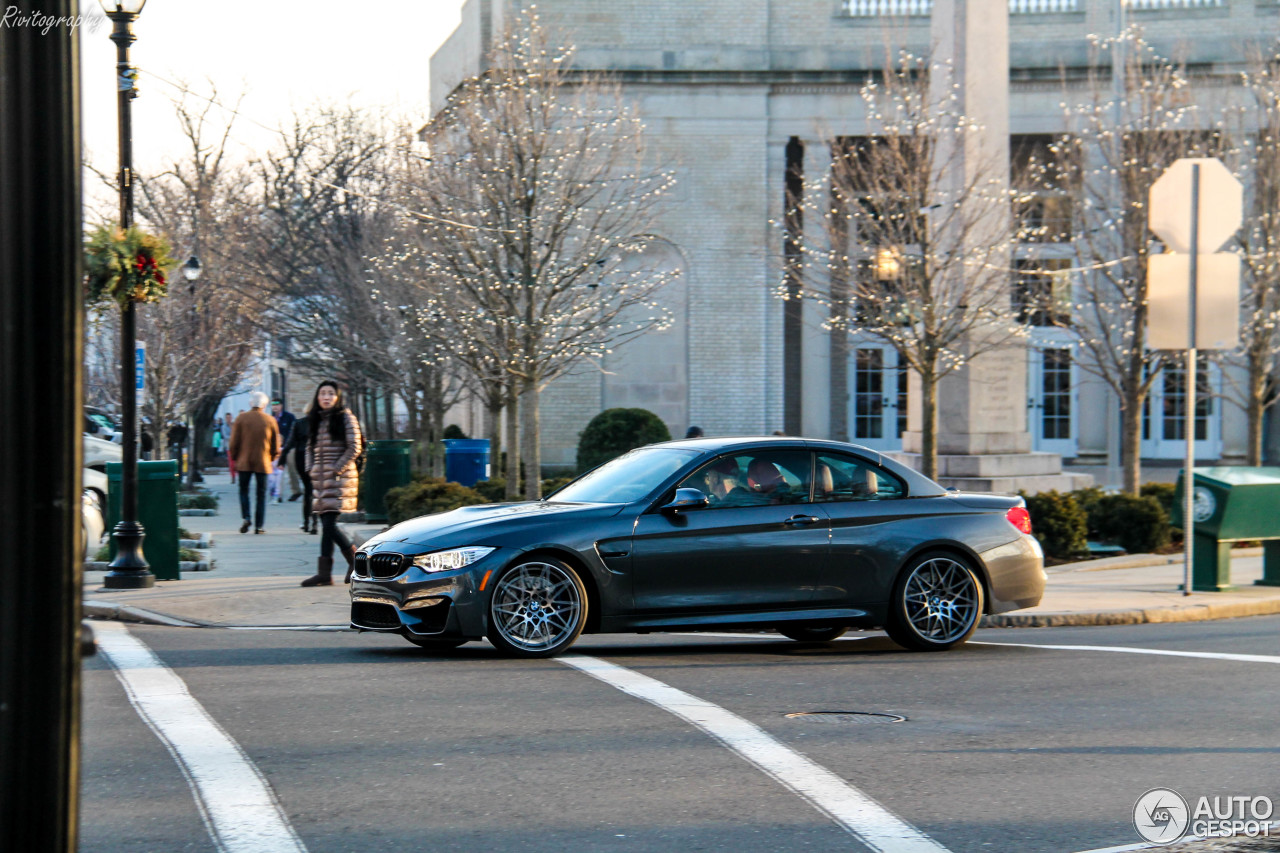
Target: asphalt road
point(371, 744)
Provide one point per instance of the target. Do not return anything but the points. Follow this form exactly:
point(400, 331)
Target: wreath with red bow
point(126, 265)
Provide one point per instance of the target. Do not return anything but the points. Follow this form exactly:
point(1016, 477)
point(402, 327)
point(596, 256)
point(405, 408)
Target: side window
point(755, 479)
point(847, 478)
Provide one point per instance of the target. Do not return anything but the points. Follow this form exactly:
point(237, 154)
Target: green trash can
point(1231, 505)
point(386, 468)
point(157, 513)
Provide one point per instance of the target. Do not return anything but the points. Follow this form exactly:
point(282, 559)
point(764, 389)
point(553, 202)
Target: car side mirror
point(686, 499)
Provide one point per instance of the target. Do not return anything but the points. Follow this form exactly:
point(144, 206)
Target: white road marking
point(237, 803)
point(1136, 651)
point(864, 818)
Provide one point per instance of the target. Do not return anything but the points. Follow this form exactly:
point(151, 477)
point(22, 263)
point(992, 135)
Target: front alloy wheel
point(936, 603)
point(538, 609)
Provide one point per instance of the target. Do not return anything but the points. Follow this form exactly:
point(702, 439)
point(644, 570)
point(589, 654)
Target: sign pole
point(1189, 470)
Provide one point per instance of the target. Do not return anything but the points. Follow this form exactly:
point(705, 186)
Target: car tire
point(439, 645)
point(805, 634)
point(537, 609)
point(936, 604)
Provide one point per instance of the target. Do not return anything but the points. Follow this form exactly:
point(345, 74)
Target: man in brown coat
point(255, 442)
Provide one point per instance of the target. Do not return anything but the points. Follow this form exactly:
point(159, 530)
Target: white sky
point(282, 54)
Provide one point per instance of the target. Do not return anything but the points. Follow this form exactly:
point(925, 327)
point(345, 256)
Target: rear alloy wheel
point(439, 645)
point(820, 634)
point(936, 603)
point(538, 609)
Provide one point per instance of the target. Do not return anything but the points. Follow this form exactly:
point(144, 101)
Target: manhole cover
point(846, 717)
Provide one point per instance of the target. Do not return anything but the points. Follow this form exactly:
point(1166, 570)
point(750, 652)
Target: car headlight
point(445, 561)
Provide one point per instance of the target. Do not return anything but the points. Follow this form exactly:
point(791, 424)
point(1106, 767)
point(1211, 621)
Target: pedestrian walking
point(332, 448)
point(226, 427)
point(298, 446)
point(255, 442)
point(286, 420)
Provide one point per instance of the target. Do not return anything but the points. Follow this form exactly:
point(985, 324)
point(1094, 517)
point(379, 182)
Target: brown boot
point(350, 554)
point(323, 575)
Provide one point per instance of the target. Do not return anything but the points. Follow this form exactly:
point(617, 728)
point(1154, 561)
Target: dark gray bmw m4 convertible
point(808, 538)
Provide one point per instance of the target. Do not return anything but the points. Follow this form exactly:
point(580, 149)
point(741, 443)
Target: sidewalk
point(255, 580)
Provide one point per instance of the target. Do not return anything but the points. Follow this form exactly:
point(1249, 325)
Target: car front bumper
point(443, 604)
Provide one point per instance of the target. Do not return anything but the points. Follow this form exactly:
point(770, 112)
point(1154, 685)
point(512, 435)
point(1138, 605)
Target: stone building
point(737, 91)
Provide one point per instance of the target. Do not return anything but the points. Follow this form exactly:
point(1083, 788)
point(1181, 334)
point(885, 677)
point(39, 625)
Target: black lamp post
point(191, 272)
point(129, 570)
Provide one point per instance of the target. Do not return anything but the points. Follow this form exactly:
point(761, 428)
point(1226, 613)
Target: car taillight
point(1019, 518)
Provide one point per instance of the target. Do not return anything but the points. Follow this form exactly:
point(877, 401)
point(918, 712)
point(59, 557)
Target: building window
point(1043, 190)
point(1055, 387)
point(1173, 424)
point(868, 394)
point(1042, 291)
point(920, 8)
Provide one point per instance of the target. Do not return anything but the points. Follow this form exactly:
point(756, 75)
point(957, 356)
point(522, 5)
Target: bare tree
point(319, 209)
point(199, 339)
point(1122, 137)
point(538, 200)
point(1259, 239)
point(914, 249)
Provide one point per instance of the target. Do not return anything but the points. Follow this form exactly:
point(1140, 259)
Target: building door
point(877, 398)
point(1051, 403)
point(1164, 416)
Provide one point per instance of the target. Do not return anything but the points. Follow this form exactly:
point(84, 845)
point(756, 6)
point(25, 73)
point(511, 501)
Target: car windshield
point(627, 478)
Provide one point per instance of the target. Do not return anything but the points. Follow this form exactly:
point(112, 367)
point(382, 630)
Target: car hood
point(469, 523)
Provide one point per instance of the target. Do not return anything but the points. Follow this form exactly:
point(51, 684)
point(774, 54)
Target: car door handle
point(802, 519)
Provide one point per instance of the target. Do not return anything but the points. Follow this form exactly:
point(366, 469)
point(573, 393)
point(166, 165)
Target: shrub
point(1087, 499)
point(201, 500)
point(549, 486)
point(615, 431)
point(1162, 492)
point(1137, 524)
point(494, 490)
point(1059, 523)
point(426, 495)
point(453, 431)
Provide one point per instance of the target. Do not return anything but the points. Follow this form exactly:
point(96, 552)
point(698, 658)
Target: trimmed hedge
point(198, 500)
point(1059, 523)
point(427, 495)
point(1162, 492)
point(1137, 524)
point(615, 431)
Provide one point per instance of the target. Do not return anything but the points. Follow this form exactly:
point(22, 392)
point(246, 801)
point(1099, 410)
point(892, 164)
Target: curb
point(97, 609)
point(1176, 613)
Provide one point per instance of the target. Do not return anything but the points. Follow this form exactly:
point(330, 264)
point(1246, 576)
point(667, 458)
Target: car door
point(758, 545)
point(867, 507)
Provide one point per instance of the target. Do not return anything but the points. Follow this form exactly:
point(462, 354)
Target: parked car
point(93, 508)
point(809, 538)
point(98, 452)
point(98, 422)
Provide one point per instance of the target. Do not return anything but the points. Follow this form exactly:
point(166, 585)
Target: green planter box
point(1231, 505)
point(157, 513)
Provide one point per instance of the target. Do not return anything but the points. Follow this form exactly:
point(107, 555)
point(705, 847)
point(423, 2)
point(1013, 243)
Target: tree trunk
point(493, 414)
point(513, 444)
point(1131, 444)
point(929, 425)
point(530, 440)
point(1254, 413)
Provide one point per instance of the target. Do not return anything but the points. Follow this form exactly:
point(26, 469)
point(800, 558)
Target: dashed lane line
point(864, 818)
point(235, 800)
point(1138, 651)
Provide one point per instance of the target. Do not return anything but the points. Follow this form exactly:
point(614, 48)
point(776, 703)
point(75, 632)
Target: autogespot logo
point(1161, 816)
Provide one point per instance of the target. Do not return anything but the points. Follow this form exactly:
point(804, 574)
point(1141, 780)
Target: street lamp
point(129, 570)
point(191, 270)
